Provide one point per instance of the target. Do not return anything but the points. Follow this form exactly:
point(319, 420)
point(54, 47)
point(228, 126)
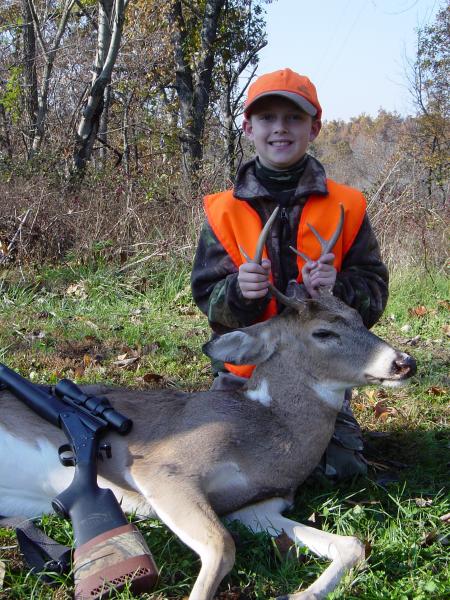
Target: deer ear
point(241, 347)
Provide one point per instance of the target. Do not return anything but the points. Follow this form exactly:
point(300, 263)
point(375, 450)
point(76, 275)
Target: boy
point(282, 116)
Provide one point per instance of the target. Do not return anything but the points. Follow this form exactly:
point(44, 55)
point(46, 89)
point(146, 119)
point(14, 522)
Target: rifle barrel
point(46, 405)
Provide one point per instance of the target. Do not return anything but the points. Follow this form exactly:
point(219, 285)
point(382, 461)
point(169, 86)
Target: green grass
point(84, 322)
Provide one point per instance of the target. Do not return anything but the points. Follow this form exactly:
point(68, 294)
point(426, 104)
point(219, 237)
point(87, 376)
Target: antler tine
point(302, 254)
point(263, 236)
point(334, 238)
point(326, 245)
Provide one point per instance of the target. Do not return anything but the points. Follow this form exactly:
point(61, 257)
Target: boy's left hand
point(319, 273)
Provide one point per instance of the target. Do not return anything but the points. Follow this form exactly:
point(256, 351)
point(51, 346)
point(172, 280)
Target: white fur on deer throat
point(260, 394)
point(330, 393)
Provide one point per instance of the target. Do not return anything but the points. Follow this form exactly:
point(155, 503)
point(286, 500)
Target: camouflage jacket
point(362, 283)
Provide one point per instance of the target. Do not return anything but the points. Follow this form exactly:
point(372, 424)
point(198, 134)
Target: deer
point(200, 460)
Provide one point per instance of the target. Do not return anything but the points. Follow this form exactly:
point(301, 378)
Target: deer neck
point(290, 391)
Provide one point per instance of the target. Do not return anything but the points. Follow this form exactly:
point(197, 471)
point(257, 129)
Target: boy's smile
point(280, 131)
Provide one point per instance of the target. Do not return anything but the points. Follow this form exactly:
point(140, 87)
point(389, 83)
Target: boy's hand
point(319, 273)
point(253, 279)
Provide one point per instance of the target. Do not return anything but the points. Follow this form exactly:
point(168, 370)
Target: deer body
point(192, 457)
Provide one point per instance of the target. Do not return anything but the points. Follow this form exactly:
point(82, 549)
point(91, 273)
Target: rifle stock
point(109, 552)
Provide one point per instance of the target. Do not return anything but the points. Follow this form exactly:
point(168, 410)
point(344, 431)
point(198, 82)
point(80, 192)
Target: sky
point(354, 51)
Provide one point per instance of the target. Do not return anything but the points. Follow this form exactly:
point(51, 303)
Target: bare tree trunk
point(30, 90)
point(49, 54)
point(125, 132)
point(5, 138)
point(193, 88)
point(103, 44)
point(108, 44)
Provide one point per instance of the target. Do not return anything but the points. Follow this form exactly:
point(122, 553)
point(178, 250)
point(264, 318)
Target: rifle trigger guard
point(66, 455)
point(106, 448)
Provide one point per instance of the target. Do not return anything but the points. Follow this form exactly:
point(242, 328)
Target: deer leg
point(186, 511)
point(344, 551)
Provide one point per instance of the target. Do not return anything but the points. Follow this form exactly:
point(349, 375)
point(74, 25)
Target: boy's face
point(280, 131)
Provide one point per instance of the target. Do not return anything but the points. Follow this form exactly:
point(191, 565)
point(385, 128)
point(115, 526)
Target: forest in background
point(116, 117)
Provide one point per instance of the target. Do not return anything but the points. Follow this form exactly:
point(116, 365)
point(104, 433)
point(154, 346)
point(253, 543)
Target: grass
point(93, 323)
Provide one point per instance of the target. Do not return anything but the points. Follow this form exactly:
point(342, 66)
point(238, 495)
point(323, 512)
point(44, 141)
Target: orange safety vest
point(236, 224)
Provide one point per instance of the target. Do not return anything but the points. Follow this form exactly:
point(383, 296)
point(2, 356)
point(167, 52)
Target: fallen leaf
point(78, 290)
point(380, 409)
point(78, 372)
point(126, 362)
point(315, 520)
point(371, 394)
point(444, 304)
point(418, 311)
point(429, 538)
point(36, 335)
point(423, 502)
point(446, 330)
point(283, 544)
point(413, 341)
point(445, 518)
point(152, 377)
point(434, 390)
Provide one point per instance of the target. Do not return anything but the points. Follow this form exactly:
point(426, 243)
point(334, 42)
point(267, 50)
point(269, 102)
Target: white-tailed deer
point(192, 458)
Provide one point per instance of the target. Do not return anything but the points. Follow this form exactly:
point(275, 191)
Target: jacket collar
point(312, 181)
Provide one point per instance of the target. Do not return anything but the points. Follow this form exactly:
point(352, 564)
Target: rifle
point(109, 551)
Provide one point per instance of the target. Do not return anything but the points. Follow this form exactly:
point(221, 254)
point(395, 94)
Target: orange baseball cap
point(288, 84)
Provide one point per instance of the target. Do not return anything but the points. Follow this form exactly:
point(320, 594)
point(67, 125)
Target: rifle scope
point(99, 406)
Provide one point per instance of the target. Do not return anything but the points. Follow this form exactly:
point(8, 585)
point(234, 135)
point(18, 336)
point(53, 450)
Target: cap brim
point(300, 101)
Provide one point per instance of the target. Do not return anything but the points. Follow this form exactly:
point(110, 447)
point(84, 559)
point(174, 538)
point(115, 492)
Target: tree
point(429, 86)
point(193, 30)
point(49, 48)
point(111, 20)
point(242, 35)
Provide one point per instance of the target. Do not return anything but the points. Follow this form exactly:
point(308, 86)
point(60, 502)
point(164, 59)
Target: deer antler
point(326, 245)
point(292, 302)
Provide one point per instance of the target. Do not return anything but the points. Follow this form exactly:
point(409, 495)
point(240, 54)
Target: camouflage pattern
point(105, 561)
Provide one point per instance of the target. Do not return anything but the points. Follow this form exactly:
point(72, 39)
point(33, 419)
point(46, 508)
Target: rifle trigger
point(106, 448)
point(66, 455)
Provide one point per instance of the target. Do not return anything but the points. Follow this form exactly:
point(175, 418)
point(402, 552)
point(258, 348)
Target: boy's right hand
point(253, 279)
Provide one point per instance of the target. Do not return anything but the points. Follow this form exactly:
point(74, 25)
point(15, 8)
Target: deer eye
point(324, 334)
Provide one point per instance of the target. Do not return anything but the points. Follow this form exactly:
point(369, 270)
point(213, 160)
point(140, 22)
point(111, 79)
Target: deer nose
point(405, 366)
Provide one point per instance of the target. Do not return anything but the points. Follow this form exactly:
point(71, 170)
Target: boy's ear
point(316, 126)
point(247, 127)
